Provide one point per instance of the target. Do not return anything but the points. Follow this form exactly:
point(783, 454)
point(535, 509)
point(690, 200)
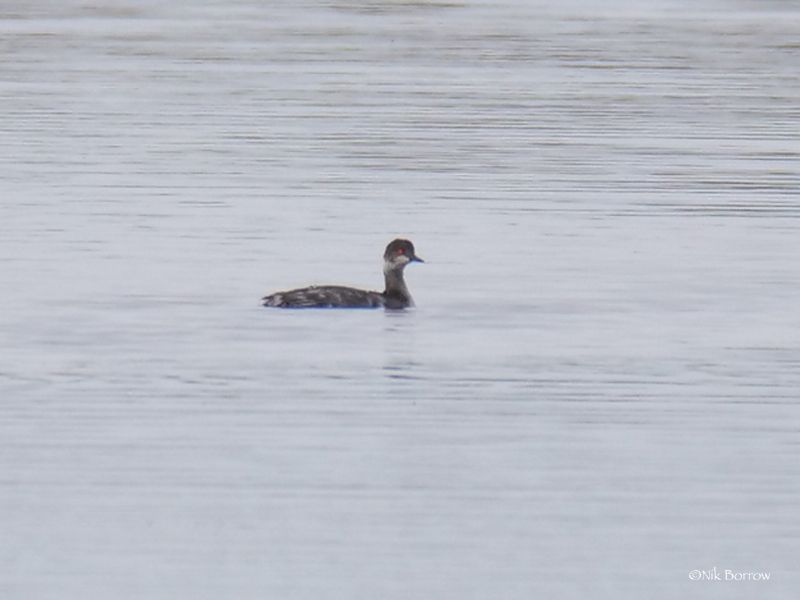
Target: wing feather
point(327, 296)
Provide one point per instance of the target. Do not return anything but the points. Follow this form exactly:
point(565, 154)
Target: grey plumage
point(325, 296)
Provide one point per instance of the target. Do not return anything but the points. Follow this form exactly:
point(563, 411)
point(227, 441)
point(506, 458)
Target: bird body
point(398, 254)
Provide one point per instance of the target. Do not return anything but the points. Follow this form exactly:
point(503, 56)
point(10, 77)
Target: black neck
point(396, 286)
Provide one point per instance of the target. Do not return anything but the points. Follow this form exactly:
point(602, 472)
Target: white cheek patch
point(399, 260)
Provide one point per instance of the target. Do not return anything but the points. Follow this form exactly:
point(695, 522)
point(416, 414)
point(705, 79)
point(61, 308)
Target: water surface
point(596, 395)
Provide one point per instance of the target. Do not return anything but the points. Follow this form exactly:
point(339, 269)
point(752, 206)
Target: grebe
point(398, 254)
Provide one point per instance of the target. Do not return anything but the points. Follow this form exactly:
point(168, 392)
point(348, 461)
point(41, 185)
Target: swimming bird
point(398, 254)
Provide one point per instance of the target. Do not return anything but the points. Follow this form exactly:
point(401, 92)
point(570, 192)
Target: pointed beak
point(416, 258)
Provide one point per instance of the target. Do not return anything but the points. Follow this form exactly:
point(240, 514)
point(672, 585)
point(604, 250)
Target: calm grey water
point(596, 395)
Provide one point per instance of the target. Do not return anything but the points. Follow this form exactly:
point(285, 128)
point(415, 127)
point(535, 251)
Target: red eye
point(401, 250)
